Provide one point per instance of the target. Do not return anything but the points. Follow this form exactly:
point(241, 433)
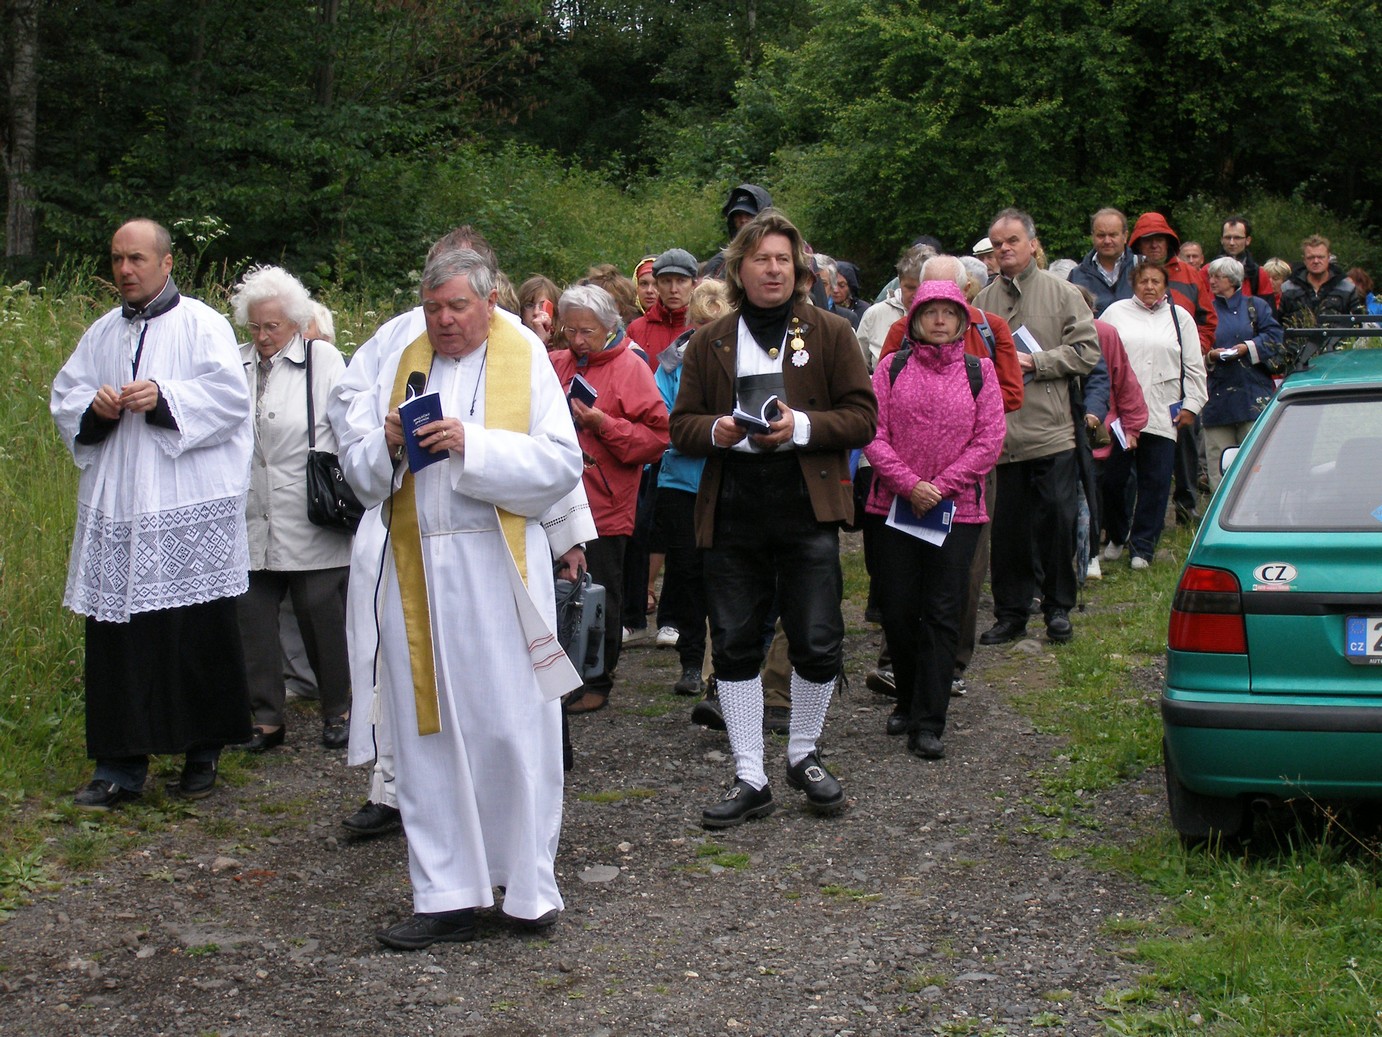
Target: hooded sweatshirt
point(931, 426)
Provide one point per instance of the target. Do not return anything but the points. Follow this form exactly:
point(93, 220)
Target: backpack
point(972, 368)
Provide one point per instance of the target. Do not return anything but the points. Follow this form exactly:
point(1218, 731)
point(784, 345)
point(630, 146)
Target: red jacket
point(1125, 398)
point(1188, 286)
point(1004, 357)
point(657, 329)
point(633, 434)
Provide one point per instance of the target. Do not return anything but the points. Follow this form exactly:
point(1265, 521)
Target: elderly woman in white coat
point(289, 556)
point(1163, 347)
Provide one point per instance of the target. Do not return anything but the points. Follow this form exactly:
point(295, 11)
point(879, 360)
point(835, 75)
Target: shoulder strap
point(1252, 311)
point(976, 374)
point(311, 417)
point(986, 333)
point(898, 363)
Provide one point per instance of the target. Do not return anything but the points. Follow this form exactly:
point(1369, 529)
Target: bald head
point(141, 260)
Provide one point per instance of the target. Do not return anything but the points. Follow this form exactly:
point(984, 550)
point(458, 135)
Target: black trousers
point(768, 545)
point(604, 559)
point(682, 604)
point(922, 588)
point(1034, 516)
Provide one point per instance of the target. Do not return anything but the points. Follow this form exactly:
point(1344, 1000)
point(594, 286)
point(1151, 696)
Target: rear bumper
point(1229, 748)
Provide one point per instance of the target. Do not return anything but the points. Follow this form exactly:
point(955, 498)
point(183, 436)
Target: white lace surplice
point(160, 512)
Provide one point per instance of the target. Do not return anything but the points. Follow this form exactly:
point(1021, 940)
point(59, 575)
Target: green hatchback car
point(1274, 668)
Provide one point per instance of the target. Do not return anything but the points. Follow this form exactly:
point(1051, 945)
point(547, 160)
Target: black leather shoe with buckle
point(823, 793)
point(741, 803)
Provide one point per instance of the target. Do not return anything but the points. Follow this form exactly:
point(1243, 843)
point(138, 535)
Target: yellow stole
point(508, 382)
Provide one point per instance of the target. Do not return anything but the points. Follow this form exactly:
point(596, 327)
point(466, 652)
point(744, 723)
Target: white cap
point(982, 247)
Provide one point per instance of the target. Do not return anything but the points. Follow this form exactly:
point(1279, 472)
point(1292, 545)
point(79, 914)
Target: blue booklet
point(931, 526)
point(583, 391)
point(415, 413)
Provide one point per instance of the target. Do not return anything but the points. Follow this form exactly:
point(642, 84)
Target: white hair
point(974, 266)
point(593, 298)
point(1062, 268)
point(271, 284)
point(448, 264)
point(326, 324)
point(951, 263)
point(1226, 266)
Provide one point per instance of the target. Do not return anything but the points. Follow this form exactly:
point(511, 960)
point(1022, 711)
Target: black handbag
point(331, 503)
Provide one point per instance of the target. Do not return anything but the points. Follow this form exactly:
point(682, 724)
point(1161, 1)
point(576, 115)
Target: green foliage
point(894, 119)
point(1279, 226)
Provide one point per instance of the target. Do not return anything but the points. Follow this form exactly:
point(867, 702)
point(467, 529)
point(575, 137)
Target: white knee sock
point(809, 704)
point(741, 702)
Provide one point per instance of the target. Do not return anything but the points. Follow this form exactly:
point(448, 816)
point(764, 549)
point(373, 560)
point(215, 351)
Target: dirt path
point(937, 903)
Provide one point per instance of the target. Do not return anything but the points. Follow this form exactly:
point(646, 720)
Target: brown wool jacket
point(832, 388)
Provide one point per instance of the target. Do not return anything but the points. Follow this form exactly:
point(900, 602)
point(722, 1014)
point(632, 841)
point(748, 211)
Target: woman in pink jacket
point(940, 430)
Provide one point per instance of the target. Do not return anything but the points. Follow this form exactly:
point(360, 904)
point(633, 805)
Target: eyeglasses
point(269, 328)
point(584, 332)
point(1234, 237)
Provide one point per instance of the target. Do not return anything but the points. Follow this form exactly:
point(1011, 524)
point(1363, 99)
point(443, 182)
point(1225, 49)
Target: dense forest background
point(341, 136)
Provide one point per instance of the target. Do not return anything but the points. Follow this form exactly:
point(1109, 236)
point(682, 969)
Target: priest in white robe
point(469, 669)
point(568, 524)
point(154, 408)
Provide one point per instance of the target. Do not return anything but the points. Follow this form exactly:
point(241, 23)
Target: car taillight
point(1207, 613)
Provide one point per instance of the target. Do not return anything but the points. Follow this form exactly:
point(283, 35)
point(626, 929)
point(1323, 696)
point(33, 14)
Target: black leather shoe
point(374, 819)
point(540, 924)
point(1058, 626)
point(926, 744)
point(263, 740)
point(197, 781)
point(823, 793)
point(741, 803)
point(102, 795)
point(424, 930)
point(335, 732)
point(689, 683)
point(882, 681)
point(898, 721)
point(777, 720)
point(706, 712)
point(1002, 632)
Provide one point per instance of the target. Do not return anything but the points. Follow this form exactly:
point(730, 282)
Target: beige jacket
point(1055, 313)
point(281, 537)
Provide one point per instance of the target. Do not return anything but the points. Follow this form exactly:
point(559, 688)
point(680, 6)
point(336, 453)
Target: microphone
point(417, 381)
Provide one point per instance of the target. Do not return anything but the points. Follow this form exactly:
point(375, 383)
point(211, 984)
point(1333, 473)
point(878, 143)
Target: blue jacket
point(678, 472)
point(1087, 275)
point(1239, 389)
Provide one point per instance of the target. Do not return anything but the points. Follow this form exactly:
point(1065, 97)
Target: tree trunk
point(327, 14)
point(21, 144)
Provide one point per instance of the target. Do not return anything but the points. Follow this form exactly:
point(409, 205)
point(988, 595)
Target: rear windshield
point(1318, 466)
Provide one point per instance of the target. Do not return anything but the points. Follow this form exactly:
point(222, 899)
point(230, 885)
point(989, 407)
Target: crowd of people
point(704, 429)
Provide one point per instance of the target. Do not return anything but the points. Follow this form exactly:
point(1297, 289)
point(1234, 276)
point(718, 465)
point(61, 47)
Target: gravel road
point(940, 901)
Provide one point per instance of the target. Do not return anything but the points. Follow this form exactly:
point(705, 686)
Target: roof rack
point(1334, 331)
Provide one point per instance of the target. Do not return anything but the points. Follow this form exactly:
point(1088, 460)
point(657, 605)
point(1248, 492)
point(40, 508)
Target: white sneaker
point(1112, 551)
point(667, 637)
point(1139, 563)
point(1092, 571)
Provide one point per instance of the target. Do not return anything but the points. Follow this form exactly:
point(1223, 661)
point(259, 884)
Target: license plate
point(1363, 640)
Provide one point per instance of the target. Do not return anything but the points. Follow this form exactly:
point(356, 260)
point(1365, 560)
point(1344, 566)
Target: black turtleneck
point(767, 325)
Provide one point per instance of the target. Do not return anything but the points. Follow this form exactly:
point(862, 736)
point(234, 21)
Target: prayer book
point(583, 391)
point(932, 526)
point(415, 413)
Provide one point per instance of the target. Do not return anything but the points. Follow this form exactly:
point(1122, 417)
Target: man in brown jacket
point(770, 502)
